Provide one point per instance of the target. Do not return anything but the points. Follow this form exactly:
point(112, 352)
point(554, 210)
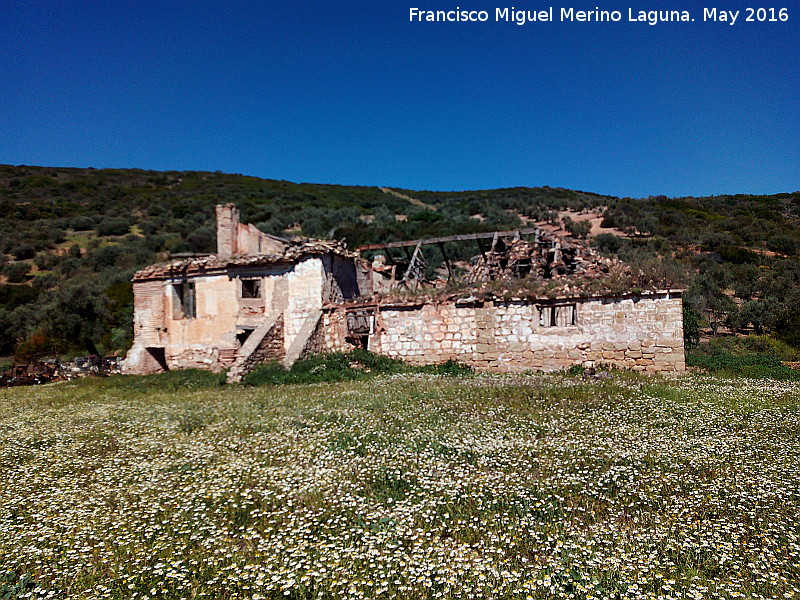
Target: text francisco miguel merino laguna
point(650, 17)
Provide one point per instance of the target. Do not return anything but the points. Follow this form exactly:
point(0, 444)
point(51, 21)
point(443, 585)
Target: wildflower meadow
point(405, 486)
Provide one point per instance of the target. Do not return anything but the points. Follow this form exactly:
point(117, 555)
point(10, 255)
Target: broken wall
point(251, 240)
point(236, 238)
point(644, 333)
point(208, 338)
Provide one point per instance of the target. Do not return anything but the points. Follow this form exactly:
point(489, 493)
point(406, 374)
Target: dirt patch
point(413, 201)
point(595, 219)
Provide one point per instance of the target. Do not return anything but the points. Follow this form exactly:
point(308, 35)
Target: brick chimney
point(227, 230)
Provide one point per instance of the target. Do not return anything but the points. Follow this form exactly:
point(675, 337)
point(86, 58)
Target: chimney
point(227, 230)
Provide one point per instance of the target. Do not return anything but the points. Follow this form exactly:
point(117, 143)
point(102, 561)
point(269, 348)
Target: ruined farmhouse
point(263, 297)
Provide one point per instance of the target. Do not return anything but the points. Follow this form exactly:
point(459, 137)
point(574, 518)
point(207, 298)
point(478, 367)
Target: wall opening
point(251, 288)
point(184, 300)
point(359, 341)
point(159, 356)
point(360, 325)
point(558, 315)
point(241, 337)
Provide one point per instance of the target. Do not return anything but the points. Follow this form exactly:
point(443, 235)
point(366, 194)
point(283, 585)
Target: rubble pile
point(548, 257)
point(50, 370)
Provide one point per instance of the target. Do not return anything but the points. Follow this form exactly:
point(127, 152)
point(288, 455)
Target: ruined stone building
point(263, 297)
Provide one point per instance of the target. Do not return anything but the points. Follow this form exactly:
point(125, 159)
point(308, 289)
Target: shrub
point(17, 272)
point(787, 327)
point(171, 380)
point(12, 296)
point(82, 223)
point(451, 368)
point(608, 243)
point(15, 586)
point(113, 226)
point(691, 327)
point(754, 356)
point(23, 252)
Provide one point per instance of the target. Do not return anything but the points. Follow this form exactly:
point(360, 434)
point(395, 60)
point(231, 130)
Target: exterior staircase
point(300, 342)
point(248, 356)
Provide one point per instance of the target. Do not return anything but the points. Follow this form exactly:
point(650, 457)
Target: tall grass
point(402, 485)
point(340, 366)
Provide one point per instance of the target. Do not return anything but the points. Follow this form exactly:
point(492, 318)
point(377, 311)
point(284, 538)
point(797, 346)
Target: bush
point(12, 296)
point(608, 243)
point(113, 226)
point(82, 223)
point(15, 586)
point(37, 345)
point(738, 255)
point(337, 366)
point(787, 327)
point(754, 356)
point(17, 272)
point(691, 327)
point(23, 252)
point(451, 368)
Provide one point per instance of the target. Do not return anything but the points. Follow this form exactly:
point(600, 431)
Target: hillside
point(71, 238)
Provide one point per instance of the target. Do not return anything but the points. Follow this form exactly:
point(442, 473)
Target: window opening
point(558, 315)
point(185, 300)
point(251, 288)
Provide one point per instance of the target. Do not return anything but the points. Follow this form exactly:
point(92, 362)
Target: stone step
point(300, 342)
point(240, 367)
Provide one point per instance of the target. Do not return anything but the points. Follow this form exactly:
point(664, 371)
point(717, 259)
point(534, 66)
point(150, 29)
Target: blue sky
point(351, 92)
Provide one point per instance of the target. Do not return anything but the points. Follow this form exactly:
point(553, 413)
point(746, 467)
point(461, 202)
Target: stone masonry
point(642, 332)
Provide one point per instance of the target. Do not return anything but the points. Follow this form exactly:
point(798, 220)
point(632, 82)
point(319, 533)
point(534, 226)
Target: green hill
point(71, 238)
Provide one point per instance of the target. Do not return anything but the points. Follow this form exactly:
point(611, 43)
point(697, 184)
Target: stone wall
point(644, 333)
point(304, 295)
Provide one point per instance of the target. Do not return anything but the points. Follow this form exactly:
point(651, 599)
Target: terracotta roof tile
point(213, 263)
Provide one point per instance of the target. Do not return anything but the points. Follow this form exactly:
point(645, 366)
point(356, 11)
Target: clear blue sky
point(351, 92)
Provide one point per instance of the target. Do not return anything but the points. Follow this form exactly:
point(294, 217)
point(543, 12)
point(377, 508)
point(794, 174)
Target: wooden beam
point(446, 262)
point(481, 247)
point(451, 238)
point(413, 266)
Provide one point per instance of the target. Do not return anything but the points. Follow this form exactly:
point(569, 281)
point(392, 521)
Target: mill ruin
point(530, 300)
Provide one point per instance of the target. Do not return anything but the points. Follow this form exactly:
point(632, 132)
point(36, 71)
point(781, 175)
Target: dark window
point(557, 315)
point(360, 322)
point(243, 335)
point(251, 288)
point(185, 303)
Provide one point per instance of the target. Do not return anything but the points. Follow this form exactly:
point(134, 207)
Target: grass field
point(404, 486)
